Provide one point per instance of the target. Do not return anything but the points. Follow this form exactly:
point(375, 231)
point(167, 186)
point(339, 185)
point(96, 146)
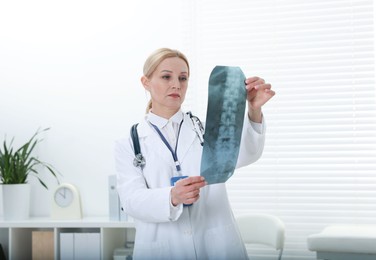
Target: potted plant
point(15, 168)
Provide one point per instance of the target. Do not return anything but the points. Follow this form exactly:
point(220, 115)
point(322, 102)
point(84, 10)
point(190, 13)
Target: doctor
point(165, 227)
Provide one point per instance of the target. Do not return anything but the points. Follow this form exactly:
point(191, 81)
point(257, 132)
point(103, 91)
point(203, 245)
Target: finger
point(193, 194)
point(192, 200)
point(264, 86)
point(251, 80)
point(195, 187)
point(270, 92)
point(182, 196)
point(254, 84)
point(191, 180)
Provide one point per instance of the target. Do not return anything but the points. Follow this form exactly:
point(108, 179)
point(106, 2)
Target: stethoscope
point(139, 160)
point(197, 127)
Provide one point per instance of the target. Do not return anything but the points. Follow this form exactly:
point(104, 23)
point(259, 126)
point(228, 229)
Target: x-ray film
point(224, 123)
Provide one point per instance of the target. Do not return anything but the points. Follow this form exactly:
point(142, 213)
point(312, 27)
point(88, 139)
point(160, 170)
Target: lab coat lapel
point(152, 139)
point(186, 138)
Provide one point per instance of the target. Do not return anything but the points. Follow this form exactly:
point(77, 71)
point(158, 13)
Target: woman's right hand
point(187, 190)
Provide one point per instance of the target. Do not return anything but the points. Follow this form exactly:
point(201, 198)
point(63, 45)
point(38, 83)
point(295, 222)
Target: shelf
point(16, 236)
point(104, 222)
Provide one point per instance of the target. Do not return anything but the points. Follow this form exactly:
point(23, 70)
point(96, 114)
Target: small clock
point(66, 202)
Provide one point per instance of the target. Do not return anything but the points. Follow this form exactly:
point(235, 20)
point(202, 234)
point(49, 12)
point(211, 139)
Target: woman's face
point(167, 86)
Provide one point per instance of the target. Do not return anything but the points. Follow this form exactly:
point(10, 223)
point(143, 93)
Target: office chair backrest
point(262, 229)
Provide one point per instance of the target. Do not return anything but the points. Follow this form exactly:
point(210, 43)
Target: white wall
point(75, 66)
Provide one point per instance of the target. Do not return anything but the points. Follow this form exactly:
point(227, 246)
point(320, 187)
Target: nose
point(175, 83)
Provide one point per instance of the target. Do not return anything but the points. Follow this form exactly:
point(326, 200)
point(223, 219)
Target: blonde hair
point(155, 59)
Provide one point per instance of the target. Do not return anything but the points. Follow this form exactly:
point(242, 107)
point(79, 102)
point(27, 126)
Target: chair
point(263, 229)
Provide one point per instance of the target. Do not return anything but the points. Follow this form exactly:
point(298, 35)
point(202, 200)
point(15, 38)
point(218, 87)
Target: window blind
point(319, 162)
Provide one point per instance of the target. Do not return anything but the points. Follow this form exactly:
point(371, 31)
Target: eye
point(166, 77)
point(183, 78)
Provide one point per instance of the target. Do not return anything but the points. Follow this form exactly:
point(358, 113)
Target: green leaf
point(17, 165)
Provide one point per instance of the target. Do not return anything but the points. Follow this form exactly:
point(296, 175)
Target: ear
point(145, 82)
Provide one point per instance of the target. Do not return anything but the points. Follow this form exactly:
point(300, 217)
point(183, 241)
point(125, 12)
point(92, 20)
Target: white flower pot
point(16, 201)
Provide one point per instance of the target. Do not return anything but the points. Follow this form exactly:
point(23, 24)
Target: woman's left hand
point(258, 93)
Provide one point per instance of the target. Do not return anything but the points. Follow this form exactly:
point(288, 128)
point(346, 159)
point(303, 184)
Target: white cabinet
point(16, 236)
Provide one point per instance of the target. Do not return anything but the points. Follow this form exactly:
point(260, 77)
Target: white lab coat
point(205, 230)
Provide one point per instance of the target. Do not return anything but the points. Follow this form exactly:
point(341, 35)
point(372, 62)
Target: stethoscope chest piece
point(139, 161)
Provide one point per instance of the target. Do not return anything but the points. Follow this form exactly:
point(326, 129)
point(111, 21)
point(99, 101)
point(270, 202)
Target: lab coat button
point(188, 232)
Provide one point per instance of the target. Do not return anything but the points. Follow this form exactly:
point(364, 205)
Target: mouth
point(174, 95)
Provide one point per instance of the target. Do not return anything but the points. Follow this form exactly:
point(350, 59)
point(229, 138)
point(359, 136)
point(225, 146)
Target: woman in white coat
point(165, 227)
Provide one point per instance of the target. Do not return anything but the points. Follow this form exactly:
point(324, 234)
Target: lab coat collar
point(161, 122)
point(187, 136)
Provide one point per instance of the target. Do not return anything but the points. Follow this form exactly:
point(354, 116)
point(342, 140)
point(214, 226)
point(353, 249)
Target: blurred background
point(75, 66)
